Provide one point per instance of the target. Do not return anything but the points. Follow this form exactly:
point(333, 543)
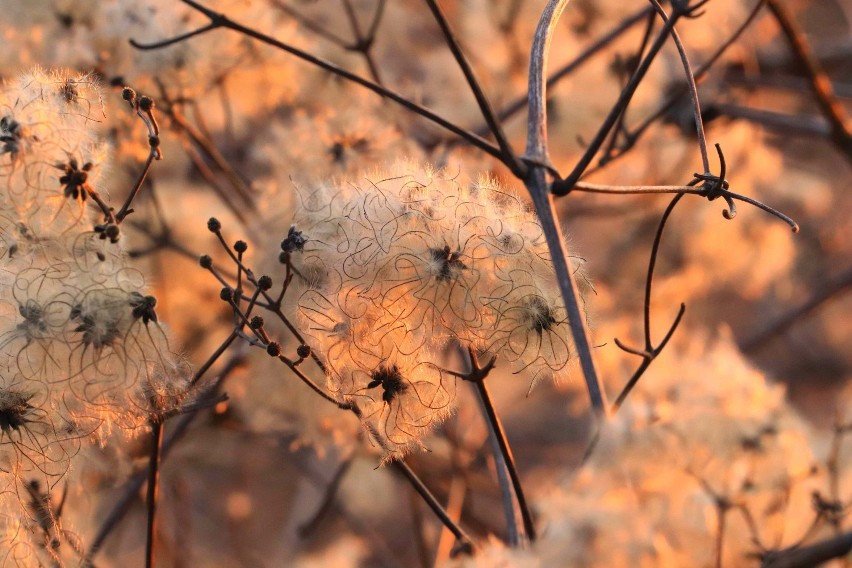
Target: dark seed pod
point(273, 349)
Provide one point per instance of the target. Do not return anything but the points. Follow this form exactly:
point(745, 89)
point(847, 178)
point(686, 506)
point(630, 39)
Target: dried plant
point(381, 243)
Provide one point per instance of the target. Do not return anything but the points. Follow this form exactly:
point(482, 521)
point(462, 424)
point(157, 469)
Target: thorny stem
point(509, 157)
point(222, 21)
point(153, 489)
point(542, 198)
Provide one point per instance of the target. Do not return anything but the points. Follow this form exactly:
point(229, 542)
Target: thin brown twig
point(554, 78)
point(811, 555)
point(819, 81)
point(509, 157)
point(131, 489)
point(650, 352)
point(221, 21)
point(701, 72)
point(830, 291)
point(562, 187)
point(152, 492)
point(465, 543)
point(477, 375)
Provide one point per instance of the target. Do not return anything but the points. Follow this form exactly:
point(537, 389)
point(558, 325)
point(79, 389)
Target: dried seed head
point(295, 241)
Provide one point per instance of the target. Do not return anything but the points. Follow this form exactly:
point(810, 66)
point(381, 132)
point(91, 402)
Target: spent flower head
point(394, 266)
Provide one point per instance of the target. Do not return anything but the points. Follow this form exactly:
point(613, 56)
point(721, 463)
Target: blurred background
point(746, 406)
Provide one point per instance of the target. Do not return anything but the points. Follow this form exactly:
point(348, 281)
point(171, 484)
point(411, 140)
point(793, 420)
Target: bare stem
point(819, 81)
point(465, 542)
point(509, 157)
point(153, 489)
point(222, 21)
point(542, 198)
point(564, 186)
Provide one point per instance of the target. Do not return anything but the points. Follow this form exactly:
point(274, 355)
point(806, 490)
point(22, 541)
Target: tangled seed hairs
point(82, 352)
point(395, 265)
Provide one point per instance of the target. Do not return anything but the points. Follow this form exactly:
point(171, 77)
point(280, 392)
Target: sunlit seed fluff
point(396, 264)
point(82, 353)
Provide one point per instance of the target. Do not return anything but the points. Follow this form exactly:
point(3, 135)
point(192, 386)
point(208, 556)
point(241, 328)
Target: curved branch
point(222, 21)
point(542, 198)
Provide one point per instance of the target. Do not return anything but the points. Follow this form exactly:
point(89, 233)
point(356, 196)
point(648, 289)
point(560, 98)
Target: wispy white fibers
point(398, 264)
point(81, 353)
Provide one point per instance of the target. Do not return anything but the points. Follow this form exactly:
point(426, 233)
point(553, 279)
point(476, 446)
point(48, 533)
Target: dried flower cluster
point(81, 353)
point(403, 263)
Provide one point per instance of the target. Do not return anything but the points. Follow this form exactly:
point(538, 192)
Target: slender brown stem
point(691, 86)
point(700, 74)
point(838, 286)
point(363, 44)
point(131, 488)
point(125, 209)
point(464, 541)
point(496, 427)
point(509, 157)
point(521, 102)
point(152, 493)
point(811, 555)
point(562, 187)
point(222, 21)
point(819, 81)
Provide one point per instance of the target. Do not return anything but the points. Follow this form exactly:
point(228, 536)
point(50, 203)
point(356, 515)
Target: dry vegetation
point(287, 291)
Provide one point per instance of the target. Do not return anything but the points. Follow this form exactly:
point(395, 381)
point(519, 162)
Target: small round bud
point(284, 257)
point(273, 349)
point(256, 322)
point(213, 225)
point(241, 246)
point(206, 261)
point(154, 141)
point(303, 351)
point(226, 294)
point(146, 103)
point(264, 282)
point(128, 94)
